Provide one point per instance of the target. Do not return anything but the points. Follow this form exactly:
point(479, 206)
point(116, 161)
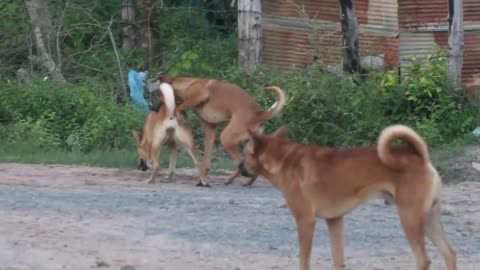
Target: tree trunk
point(149, 34)
point(250, 35)
point(349, 36)
point(455, 41)
point(128, 17)
point(44, 36)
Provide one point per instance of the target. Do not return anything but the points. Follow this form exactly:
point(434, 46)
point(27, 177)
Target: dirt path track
point(76, 217)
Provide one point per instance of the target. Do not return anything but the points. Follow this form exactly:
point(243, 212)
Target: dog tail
point(169, 99)
point(276, 107)
point(391, 133)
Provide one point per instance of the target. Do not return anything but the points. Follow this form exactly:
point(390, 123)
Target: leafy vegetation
point(90, 115)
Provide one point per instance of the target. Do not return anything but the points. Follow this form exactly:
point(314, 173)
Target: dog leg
point(335, 231)
point(198, 96)
point(209, 140)
point(250, 181)
point(413, 222)
point(232, 177)
point(156, 164)
point(305, 220)
point(230, 138)
point(185, 136)
point(173, 163)
point(437, 235)
point(305, 228)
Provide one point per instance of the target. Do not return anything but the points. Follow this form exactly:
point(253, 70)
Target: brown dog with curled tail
point(328, 183)
point(216, 102)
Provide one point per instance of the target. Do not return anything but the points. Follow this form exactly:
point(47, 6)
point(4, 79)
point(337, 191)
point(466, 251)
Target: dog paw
point(169, 177)
point(200, 184)
point(247, 184)
point(150, 181)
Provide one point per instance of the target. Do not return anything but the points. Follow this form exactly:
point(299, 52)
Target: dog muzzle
point(243, 171)
point(142, 165)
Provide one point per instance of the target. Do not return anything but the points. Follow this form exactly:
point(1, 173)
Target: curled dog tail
point(276, 107)
point(169, 99)
point(391, 133)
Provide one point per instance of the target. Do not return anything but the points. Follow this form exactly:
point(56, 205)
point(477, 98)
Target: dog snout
point(142, 165)
point(243, 170)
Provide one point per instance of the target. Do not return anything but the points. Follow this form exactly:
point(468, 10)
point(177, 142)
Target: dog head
point(143, 151)
point(259, 156)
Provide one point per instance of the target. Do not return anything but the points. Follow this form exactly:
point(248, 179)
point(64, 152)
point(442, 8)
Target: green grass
point(125, 158)
point(451, 160)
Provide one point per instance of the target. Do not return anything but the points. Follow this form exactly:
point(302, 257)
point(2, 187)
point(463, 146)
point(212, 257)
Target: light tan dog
point(162, 128)
point(329, 183)
point(216, 102)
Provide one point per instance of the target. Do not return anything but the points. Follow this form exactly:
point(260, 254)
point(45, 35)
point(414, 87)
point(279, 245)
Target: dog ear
point(137, 135)
point(281, 132)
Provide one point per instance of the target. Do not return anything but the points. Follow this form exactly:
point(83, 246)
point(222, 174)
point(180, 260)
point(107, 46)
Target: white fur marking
point(273, 106)
point(169, 97)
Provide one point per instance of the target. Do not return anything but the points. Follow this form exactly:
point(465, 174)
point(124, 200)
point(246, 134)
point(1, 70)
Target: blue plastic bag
point(135, 82)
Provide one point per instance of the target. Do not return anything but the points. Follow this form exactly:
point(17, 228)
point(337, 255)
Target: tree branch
point(117, 56)
point(59, 29)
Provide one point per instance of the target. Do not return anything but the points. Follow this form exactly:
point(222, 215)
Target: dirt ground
point(77, 217)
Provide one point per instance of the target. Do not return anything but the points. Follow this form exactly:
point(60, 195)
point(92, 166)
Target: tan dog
point(329, 183)
point(162, 128)
point(217, 102)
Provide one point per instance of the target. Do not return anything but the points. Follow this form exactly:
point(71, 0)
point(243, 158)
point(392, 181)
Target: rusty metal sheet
point(286, 47)
point(377, 14)
point(415, 44)
point(386, 47)
point(312, 9)
point(419, 13)
point(393, 29)
point(471, 54)
point(471, 11)
point(415, 13)
point(422, 43)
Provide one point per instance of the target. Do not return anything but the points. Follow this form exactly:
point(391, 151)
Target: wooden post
point(250, 33)
point(455, 41)
point(128, 17)
point(349, 36)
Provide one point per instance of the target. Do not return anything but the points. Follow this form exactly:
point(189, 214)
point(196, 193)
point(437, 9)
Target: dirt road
point(74, 217)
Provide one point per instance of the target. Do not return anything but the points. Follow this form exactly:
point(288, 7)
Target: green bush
point(321, 108)
point(423, 99)
point(192, 47)
point(26, 131)
point(74, 115)
point(351, 110)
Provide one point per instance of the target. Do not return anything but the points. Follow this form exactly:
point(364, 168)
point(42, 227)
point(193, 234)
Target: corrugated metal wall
point(321, 10)
point(289, 27)
point(396, 29)
point(471, 54)
point(424, 25)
